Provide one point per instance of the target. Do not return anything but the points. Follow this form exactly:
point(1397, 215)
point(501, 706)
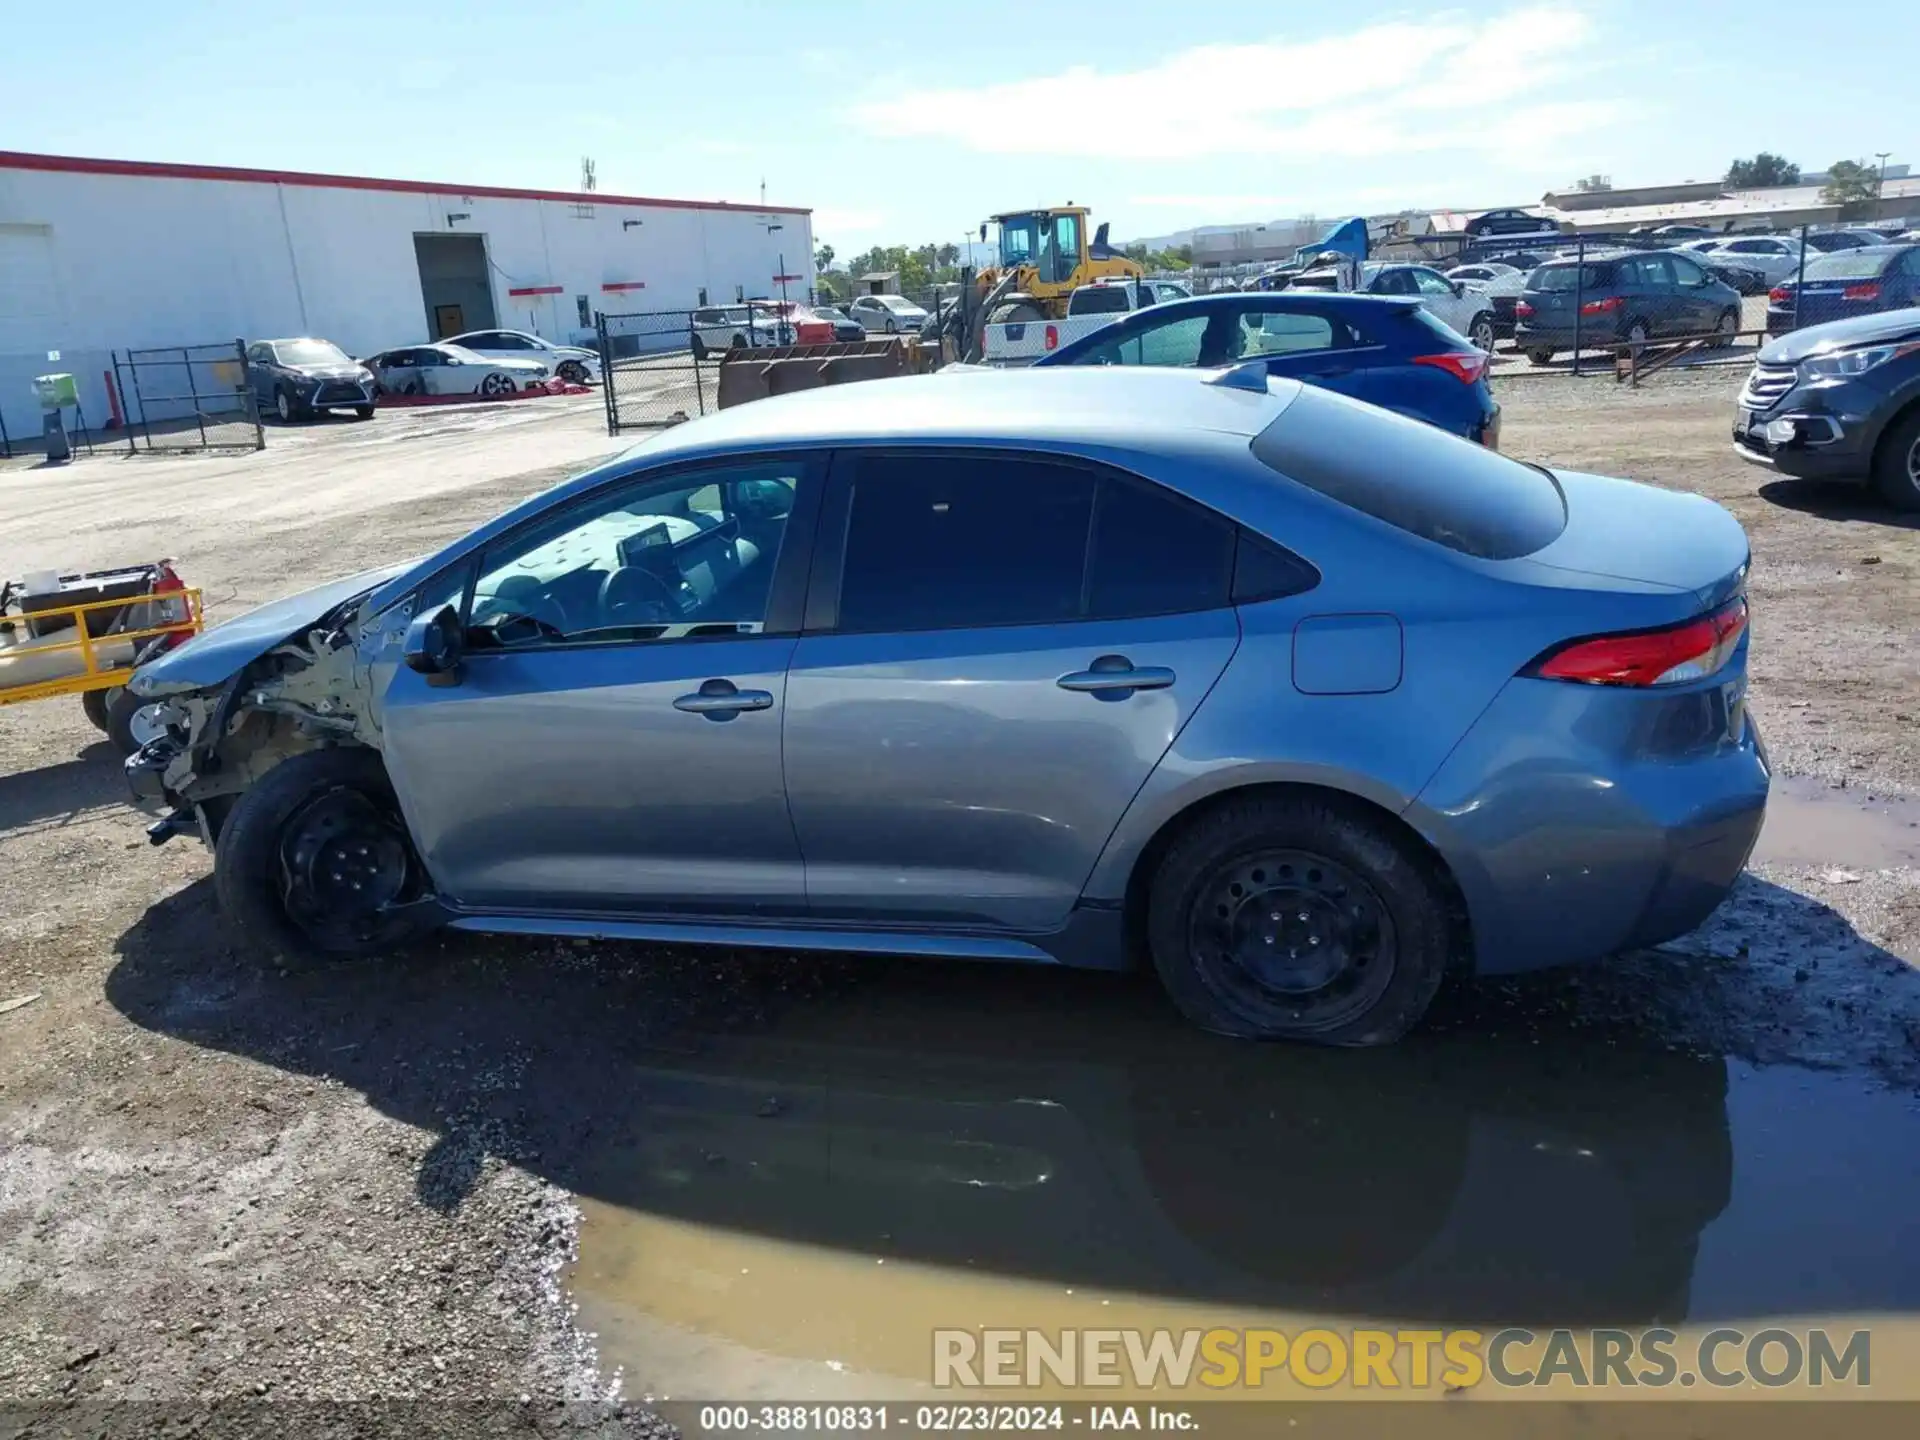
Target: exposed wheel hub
point(344, 862)
point(1295, 932)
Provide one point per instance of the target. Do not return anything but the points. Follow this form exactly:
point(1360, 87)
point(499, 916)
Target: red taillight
point(1053, 336)
point(1670, 656)
point(1602, 307)
point(1868, 291)
point(1779, 293)
point(1466, 366)
point(1523, 309)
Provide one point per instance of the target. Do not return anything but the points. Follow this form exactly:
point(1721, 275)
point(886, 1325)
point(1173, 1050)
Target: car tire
point(412, 387)
point(699, 348)
point(497, 384)
point(892, 326)
point(121, 706)
point(739, 342)
point(1480, 333)
point(285, 406)
point(1727, 328)
point(94, 704)
point(317, 809)
point(363, 412)
point(1362, 915)
point(1540, 357)
point(1896, 463)
point(573, 372)
point(1641, 329)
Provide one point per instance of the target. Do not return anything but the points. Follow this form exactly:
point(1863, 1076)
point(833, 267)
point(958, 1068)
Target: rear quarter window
point(1450, 491)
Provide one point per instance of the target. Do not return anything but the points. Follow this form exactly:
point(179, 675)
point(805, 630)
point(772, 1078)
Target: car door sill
point(1093, 937)
point(768, 934)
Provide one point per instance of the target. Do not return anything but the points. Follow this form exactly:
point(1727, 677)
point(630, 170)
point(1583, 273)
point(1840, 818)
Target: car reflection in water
point(993, 1149)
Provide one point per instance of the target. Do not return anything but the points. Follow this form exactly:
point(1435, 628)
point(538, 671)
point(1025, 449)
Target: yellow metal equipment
point(88, 648)
point(1044, 256)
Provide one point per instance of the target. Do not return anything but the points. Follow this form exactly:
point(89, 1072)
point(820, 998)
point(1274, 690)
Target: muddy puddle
point(1812, 823)
point(795, 1210)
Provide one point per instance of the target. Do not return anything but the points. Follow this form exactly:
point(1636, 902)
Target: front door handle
point(721, 700)
point(1116, 673)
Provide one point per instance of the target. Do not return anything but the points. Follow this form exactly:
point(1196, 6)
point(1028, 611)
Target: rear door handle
point(720, 698)
point(1116, 672)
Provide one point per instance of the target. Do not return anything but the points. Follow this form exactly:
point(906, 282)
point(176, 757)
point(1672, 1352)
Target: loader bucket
point(755, 374)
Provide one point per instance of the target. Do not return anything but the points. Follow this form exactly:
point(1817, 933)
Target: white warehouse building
point(105, 255)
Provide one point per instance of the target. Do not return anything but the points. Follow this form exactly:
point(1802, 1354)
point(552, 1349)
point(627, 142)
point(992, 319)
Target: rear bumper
point(1595, 336)
point(1624, 824)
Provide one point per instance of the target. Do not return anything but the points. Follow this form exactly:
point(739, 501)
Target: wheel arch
point(1146, 859)
point(1895, 418)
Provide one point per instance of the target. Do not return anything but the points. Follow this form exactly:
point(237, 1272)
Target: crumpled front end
point(209, 744)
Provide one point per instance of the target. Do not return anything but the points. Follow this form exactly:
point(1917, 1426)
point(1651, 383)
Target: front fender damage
point(309, 691)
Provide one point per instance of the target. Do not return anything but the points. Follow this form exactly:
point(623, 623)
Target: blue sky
point(907, 123)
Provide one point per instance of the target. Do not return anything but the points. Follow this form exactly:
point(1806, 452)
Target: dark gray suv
point(1621, 299)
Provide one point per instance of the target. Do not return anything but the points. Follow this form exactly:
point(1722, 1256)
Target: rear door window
point(944, 541)
point(1470, 499)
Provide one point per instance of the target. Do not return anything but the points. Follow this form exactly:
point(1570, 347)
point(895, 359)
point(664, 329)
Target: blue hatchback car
point(1386, 351)
point(1303, 702)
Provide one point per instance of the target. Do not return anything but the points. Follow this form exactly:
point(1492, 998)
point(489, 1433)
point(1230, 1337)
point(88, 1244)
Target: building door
point(456, 283)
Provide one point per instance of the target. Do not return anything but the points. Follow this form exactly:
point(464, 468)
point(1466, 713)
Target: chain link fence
point(187, 397)
point(650, 378)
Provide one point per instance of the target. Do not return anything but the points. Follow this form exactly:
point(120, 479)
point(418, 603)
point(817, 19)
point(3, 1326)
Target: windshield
point(1850, 265)
point(1019, 237)
point(309, 352)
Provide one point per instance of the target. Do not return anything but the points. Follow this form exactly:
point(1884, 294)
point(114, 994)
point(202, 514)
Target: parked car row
point(303, 376)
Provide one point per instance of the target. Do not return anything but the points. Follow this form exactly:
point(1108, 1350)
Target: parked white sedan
point(888, 314)
point(573, 363)
point(445, 369)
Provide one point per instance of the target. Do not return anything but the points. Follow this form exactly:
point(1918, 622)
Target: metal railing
point(187, 397)
point(179, 611)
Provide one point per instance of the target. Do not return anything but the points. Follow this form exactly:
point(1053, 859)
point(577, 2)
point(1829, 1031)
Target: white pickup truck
point(1021, 342)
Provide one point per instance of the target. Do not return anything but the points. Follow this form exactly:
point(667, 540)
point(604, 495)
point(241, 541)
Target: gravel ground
point(218, 1184)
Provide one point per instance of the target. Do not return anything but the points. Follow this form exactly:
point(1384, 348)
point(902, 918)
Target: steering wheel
point(635, 595)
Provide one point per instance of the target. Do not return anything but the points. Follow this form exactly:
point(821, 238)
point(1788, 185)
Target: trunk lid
point(1647, 538)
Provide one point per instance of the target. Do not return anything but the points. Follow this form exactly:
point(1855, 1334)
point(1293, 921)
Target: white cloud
point(1493, 84)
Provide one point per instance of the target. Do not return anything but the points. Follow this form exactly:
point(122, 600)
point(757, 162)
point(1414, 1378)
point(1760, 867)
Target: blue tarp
point(1349, 237)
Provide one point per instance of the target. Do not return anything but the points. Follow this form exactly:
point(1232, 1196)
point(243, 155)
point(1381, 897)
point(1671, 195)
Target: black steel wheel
point(1296, 929)
point(1298, 917)
point(313, 863)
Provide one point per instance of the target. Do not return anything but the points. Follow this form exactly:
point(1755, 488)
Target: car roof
point(1066, 405)
point(1080, 410)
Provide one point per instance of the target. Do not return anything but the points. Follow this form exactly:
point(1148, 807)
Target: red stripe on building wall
point(539, 290)
point(625, 285)
point(158, 170)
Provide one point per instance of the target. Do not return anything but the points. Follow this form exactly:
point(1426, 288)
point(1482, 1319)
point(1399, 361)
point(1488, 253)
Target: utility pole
point(1880, 181)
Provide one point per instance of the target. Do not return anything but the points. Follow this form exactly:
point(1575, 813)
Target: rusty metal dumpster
point(778, 370)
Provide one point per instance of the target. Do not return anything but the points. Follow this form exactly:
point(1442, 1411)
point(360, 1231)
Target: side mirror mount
point(434, 644)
